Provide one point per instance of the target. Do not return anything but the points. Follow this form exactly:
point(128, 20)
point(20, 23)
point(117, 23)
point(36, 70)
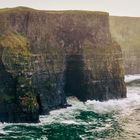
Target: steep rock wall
point(18, 100)
point(126, 31)
point(7, 94)
point(72, 53)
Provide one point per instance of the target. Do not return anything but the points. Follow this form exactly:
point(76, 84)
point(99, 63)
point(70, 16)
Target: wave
point(121, 106)
point(85, 115)
point(129, 78)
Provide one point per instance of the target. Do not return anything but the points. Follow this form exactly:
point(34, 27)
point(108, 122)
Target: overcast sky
point(114, 7)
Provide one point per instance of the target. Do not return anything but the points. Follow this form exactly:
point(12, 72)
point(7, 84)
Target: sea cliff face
point(126, 31)
point(63, 53)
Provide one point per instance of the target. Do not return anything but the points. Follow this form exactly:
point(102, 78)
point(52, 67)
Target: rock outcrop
point(67, 53)
point(126, 31)
point(18, 99)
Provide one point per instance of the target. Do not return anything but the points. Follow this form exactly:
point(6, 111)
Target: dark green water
point(90, 121)
point(90, 125)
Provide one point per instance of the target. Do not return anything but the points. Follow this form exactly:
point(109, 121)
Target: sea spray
point(91, 120)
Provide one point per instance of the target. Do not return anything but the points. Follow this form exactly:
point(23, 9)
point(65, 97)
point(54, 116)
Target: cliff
point(54, 54)
point(126, 31)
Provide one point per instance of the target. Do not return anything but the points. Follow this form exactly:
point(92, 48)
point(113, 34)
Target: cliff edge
point(62, 53)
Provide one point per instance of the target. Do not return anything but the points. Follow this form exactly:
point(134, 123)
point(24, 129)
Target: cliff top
point(23, 9)
point(125, 18)
point(16, 9)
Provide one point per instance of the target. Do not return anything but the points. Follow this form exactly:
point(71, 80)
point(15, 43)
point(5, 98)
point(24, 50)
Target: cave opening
point(75, 77)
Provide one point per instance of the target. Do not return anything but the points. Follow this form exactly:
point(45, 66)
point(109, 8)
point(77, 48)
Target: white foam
point(122, 106)
point(129, 78)
point(1, 129)
point(70, 122)
point(67, 115)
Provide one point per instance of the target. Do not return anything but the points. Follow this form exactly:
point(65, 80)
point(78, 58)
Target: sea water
point(93, 120)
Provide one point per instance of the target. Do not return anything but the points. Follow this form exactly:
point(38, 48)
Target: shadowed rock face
point(72, 54)
point(7, 95)
point(18, 101)
point(126, 31)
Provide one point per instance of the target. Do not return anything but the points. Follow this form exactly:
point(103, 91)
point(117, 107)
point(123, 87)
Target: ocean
point(93, 120)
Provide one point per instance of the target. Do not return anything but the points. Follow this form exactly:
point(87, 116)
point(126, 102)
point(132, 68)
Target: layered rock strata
point(70, 53)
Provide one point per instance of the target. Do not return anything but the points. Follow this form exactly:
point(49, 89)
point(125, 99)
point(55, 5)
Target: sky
point(114, 7)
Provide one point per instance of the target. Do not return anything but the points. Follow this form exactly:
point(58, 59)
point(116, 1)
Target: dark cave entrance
point(75, 77)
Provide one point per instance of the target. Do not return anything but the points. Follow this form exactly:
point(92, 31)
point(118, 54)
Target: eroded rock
point(71, 53)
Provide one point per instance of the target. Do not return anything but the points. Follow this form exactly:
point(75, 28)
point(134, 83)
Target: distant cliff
point(49, 55)
point(126, 31)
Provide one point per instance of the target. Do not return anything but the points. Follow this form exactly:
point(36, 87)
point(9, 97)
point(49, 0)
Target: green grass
point(23, 9)
point(16, 9)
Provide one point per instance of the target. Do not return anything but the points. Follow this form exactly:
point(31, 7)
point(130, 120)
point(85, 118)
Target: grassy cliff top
point(26, 9)
point(16, 9)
